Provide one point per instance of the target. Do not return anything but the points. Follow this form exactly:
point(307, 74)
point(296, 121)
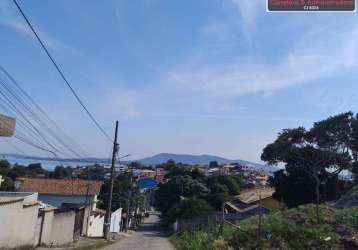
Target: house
point(79, 196)
point(160, 175)
point(251, 202)
point(18, 217)
point(56, 192)
point(147, 173)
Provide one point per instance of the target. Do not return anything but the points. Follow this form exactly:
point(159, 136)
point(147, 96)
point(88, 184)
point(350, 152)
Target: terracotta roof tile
point(63, 186)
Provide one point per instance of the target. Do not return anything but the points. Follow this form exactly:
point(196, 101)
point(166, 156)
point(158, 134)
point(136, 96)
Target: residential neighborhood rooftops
point(252, 195)
point(62, 187)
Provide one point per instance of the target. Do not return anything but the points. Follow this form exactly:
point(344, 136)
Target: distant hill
point(153, 160)
point(201, 160)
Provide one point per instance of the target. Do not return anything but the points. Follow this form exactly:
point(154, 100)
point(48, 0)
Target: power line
point(61, 73)
point(35, 116)
point(29, 122)
point(15, 147)
point(42, 111)
point(35, 145)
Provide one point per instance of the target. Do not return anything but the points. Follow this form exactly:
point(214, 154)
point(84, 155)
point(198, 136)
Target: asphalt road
point(148, 237)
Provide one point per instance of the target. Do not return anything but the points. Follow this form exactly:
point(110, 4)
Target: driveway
point(149, 236)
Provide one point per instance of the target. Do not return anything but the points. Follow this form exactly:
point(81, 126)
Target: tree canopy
point(188, 188)
point(312, 158)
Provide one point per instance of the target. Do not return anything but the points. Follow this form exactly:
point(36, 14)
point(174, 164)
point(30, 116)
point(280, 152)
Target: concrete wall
point(95, 226)
point(116, 218)
point(62, 228)
point(17, 224)
point(45, 220)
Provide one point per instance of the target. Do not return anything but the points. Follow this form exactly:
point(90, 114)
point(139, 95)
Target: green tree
point(308, 155)
point(7, 185)
point(121, 190)
point(95, 172)
point(168, 194)
point(213, 164)
point(61, 172)
point(4, 167)
point(17, 171)
point(36, 167)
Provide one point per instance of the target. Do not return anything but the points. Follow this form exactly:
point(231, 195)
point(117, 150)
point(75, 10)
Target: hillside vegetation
point(291, 229)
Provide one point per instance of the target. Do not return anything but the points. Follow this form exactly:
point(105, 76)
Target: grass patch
point(191, 241)
point(290, 229)
point(298, 229)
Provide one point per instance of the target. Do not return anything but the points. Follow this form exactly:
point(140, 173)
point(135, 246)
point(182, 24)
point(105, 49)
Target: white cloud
point(248, 11)
point(309, 59)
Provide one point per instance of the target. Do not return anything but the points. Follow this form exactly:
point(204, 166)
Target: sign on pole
point(7, 126)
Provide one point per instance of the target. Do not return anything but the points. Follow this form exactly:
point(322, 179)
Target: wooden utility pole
point(129, 199)
point(107, 219)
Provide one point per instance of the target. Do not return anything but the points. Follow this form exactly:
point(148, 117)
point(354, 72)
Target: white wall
point(95, 226)
point(46, 227)
point(62, 228)
point(17, 225)
point(116, 218)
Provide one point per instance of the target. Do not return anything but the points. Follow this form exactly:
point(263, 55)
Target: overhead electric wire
point(24, 140)
point(38, 119)
point(14, 146)
point(42, 111)
point(61, 73)
point(30, 123)
point(20, 123)
point(36, 146)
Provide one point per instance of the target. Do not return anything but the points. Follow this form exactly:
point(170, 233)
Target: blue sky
point(217, 77)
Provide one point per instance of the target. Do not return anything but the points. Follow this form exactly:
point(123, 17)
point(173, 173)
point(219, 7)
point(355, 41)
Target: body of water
point(46, 164)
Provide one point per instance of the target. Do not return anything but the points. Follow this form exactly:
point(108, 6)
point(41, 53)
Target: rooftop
point(62, 187)
point(252, 195)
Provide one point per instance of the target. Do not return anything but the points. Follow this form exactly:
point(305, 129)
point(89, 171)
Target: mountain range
point(201, 160)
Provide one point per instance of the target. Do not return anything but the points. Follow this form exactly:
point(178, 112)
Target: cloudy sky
point(217, 77)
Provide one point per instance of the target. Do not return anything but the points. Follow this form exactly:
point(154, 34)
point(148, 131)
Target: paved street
point(148, 237)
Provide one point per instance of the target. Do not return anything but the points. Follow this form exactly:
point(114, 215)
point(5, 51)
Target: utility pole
point(129, 199)
point(107, 219)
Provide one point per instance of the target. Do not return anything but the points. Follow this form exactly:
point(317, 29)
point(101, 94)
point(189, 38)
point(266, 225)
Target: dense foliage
point(189, 193)
point(291, 229)
point(313, 159)
point(122, 192)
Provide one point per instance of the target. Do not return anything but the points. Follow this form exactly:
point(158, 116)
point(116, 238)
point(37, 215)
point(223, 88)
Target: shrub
point(279, 231)
point(192, 241)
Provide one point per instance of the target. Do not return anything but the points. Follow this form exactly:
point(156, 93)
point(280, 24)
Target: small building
point(160, 175)
point(251, 202)
point(69, 194)
point(58, 191)
point(147, 173)
point(18, 217)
